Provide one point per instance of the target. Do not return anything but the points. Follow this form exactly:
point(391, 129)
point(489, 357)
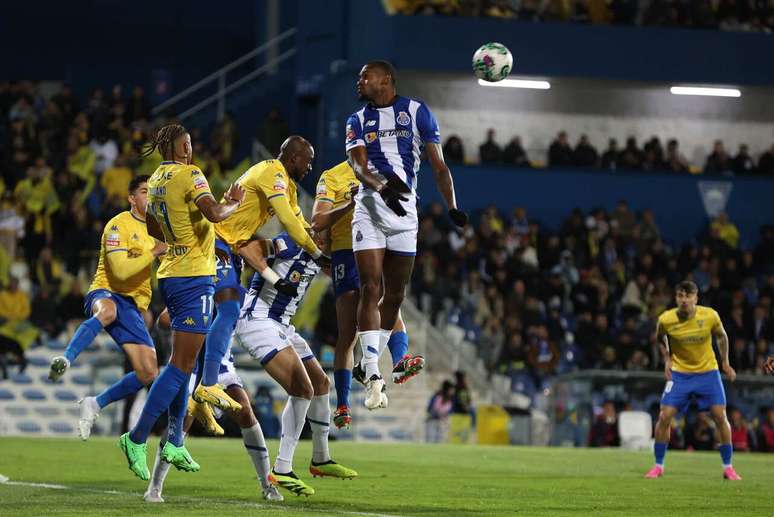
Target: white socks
point(255, 446)
point(160, 468)
point(370, 341)
point(384, 337)
point(293, 418)
point(319, 417)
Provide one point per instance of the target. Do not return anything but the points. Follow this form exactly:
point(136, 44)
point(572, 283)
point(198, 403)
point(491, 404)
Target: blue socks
point(82, 338)
point(343, 381)
point(167, 386)
point(398, 345)
point(177, 410)
point(726, 451)
point(125, 386)
point(659, 449)
point(217, 340)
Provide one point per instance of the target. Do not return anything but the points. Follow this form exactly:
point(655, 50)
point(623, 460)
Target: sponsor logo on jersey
point(359, 236)
point(113, 239)
point(372, 123)
point(350, 132)
point(370, 137)
point(114, 228)
point(135, 237)
point(700, 323)
point(195, 172)
point(279, 186)
point(295, 276)
point(403, 133)
point(200, 183)
point(321, 189)
point(403, 119)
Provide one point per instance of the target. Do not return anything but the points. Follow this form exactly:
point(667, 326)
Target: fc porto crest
point(403, 118)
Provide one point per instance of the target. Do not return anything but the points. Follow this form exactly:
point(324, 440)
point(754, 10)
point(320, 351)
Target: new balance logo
point(189, 321)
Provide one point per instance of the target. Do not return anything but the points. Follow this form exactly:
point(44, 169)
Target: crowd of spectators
point(652, 156)
point(64, 169)
point(739, 15)
point(538, 303)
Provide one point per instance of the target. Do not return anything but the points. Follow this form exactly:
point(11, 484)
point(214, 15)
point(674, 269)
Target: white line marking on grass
point(276, 507)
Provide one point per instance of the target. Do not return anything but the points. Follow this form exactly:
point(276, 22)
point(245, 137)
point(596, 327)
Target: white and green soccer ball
point(492, 62)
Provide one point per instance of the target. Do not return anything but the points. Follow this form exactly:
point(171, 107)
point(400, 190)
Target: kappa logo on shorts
point(189, 321)
point(359, 236)
point(403, 119)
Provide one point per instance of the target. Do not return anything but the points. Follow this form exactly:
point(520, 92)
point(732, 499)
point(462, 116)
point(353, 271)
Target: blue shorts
point(706, 387)
point(344, 269)
point(228, 275)
point(129, 326)
point(189, 301)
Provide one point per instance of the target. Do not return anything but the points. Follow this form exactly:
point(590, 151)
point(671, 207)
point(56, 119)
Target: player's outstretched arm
point(391, 196)
point(721, 338)
point(293, 225)
point(445, 183)
point(216, 212)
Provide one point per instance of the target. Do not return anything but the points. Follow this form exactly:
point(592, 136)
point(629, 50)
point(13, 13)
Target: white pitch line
point(6, 481)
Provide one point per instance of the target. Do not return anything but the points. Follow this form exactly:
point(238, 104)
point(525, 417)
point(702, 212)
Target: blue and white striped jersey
point(293, 264)
point(393, 137)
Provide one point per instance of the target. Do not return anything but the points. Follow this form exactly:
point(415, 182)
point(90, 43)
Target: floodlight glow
point(705, 91)
point(518, 83)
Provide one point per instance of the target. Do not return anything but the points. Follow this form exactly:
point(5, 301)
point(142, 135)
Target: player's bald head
point(384, 68)
point(295, 145)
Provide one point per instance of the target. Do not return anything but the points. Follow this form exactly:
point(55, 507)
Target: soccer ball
point(492, 62)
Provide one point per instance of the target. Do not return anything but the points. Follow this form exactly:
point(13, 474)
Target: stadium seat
point(400, 435)
point(21, 378)
point(16, 410)
point(53, 344)
point(6, 394)
point(65, 395)
point(635, 429)
point(47, 411)
point(61, 428)
point(33, 394)
point(37, 360)
point(369, 434)
point(83, 380)
point(28, 427)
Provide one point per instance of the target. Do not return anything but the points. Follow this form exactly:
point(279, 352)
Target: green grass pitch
point(395, 479)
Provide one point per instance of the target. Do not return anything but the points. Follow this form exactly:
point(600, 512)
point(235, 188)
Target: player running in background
point(264, 330)
point(252, 434)
point(118, 295)
point(685, 335)
point(383, 141)
point(332, 213)
point(269, 189)
point(183, 210)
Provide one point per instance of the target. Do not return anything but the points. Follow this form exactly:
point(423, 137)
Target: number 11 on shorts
point(206, 304)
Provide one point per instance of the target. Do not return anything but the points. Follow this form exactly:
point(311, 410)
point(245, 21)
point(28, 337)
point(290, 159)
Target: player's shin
point(255, 445)
point(293, 418)
point(319, 417)
point(177, 411)
point(82, 338)
point(217, 340)
point(343, 380)
point(163, 391)
point(159, 474)
point(125, 386)
point(369, 344)
point(398, 345)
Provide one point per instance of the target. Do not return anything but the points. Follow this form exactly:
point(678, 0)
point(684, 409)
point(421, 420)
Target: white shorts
point(376, 226)
point(263, 338)
point(227, 376)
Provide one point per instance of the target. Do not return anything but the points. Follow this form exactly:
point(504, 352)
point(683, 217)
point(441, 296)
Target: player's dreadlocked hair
point(164, 140)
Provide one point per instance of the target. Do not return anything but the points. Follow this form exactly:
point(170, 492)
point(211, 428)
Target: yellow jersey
point(334, 187)
point(690, 340)
point(268, 191)
point(127, 235)
point(172, 194)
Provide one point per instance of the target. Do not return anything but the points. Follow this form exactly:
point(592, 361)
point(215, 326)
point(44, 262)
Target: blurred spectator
point(585, 155)
point(623, 219)
point(675, 161)
point(726, 230)
point(514, 153)
point(453, 150)
point(766, 432)
point(631, 157)
point(743, 162)
point(560, 152)
point(654, 153)
point(742, 436)
point(462, 400)
point(489, 151)
point(138, 107)
point(543, 355)
point(273, 131)
point(766, 162)
point(106, 152)
point(718, 162)
point(604, 431)
point(438, 410)
point(702, 435)
point(610, 158)
point(115, 180)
